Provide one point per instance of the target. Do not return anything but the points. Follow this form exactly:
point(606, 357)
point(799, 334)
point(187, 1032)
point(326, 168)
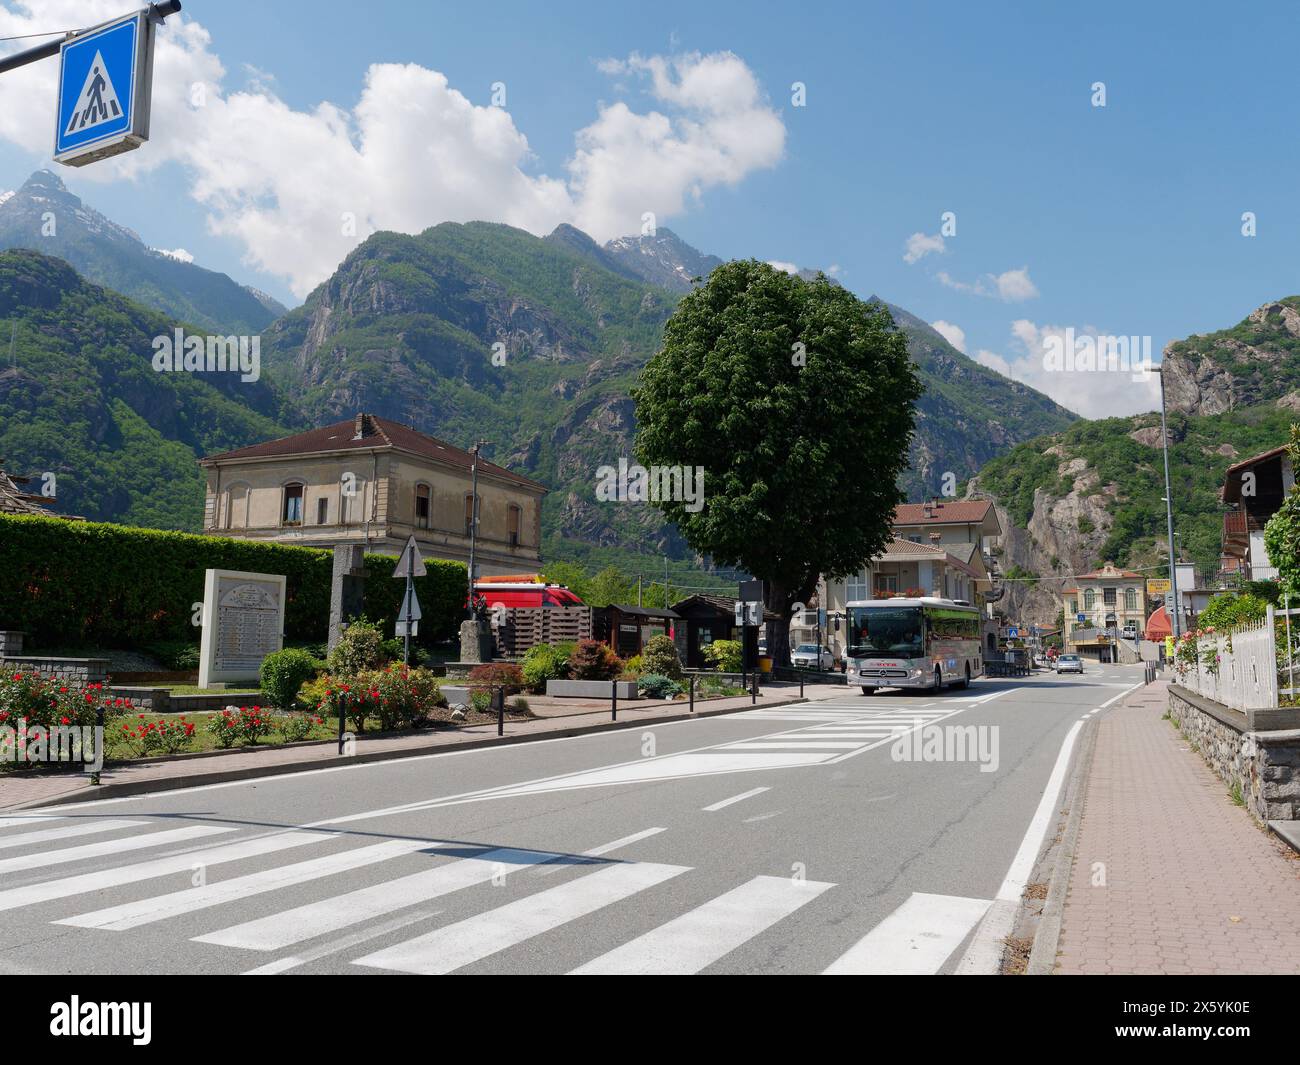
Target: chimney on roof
point(926, 509)
point(360, 426)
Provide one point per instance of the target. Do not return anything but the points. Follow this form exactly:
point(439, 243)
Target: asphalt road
point(815, 837)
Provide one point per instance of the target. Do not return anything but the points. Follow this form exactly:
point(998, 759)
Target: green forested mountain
point(408, 327)
point(79, 398)
point(1096, 491)
point(464, 331)
point(44, 216)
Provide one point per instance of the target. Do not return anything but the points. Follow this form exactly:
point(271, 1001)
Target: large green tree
point(797, 400)
point(1282, 533)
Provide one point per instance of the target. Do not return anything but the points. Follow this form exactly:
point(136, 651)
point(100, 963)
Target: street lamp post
point(1174, 620)
point(473, 520)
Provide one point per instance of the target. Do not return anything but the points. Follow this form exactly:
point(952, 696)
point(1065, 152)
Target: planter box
point(591, 689)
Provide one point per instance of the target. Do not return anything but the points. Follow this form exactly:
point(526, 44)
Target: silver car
point(1069, 664)
point(805, 656)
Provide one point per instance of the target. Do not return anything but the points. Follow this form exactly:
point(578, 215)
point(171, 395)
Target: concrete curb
point(90, 793)
point(1047, 937)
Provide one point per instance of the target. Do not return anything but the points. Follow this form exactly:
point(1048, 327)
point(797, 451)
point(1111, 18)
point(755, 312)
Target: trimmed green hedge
point(97, 585)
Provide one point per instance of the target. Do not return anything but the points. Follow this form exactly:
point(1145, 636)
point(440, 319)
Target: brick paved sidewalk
point(29, 791)
point(1193, 885)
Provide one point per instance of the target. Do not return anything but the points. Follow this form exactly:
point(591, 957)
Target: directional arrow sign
point(410, 564)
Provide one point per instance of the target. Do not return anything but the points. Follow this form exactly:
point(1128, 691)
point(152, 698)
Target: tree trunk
point(781, 598)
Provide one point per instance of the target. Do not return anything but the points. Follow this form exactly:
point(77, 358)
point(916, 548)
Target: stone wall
point(77, 670)
point(1263, 763)
point(11, 643)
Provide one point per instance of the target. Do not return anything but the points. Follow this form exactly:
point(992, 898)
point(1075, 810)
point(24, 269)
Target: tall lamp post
point(1175, 614)
point(473, 520)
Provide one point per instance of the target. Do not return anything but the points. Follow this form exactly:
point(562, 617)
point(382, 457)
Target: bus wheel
point(866, 690)
point(966, 683)
point(938, 679)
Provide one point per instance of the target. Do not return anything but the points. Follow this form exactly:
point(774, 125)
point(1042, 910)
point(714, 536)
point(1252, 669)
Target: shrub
point(50, 702)
point(225, 727)
point(542, 663)
point(520, 706)
point(593, 660)
point(294, 728)
point(633, 667)
point(660, 656)
point(159, 736)
point(480, 700)
point(398, 696)
point(100, 600)
point(175, 656)
point(498, 675)
point(360, 647)
point(284, 673)
point(724, 655)
point(657, 686)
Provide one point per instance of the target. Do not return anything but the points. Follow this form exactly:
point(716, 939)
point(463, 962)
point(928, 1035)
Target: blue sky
point(1124, 218)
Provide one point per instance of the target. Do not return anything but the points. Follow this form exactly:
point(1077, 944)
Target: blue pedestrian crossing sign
point(105, 75)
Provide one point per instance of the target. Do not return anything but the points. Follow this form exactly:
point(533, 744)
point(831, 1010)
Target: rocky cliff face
point(1256, 361)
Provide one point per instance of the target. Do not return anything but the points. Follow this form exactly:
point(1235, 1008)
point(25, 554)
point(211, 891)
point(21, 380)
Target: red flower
point(64, 721)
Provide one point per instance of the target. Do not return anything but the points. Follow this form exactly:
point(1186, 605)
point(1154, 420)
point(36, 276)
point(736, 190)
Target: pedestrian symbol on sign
point(97, 102)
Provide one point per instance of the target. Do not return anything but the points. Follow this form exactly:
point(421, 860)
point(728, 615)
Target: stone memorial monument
point(243, 622)
point(347, 589)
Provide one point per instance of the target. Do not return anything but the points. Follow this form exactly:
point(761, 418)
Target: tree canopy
point(797, 399)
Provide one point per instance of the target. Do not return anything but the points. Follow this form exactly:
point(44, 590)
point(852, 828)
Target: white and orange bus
point(923, 642)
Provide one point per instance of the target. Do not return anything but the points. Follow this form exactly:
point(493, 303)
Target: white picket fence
point(1245, 677)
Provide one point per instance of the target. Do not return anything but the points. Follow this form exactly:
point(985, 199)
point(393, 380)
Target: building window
point(322, 511)
point(1130, 599)
point(513, 528)
point(857, 587)
point(886, 582)
point(1074, 606)
point(292, 512)
point(422, 506)
point(469, 514)
point(1108, 596)
point(1089, 599)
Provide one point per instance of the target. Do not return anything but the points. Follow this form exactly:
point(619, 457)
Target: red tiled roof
point(944, 512)
point(1254, 459)
point(376, 433)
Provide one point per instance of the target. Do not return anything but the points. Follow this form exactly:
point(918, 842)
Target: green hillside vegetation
point(1195, 468)
point(79, 398)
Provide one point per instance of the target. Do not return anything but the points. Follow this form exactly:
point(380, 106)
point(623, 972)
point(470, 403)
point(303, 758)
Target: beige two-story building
point(375, 482)
point(1110, 600)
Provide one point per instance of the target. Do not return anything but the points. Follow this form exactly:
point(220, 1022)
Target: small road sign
point(410, 564)
point(410, 606)
point(1080, 618)
point(1012, 633)
point(105, 79)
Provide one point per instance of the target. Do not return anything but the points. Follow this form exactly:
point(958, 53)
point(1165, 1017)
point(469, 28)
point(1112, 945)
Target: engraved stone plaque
point(243, 622)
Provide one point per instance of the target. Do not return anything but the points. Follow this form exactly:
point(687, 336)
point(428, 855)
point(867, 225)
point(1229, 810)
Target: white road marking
point(792, 745)
point(174, 863)
point(108, 847)
point(700, 937)
point(44, 835)
point(734, 799)
point(446, 949)
point(188, 900)
point(329, 915)
point(334, 946)
point(985, 952)
point(915, 939)
point(27, 819)
point(553, 867)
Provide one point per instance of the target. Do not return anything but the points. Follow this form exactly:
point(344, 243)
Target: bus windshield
point(885, 630)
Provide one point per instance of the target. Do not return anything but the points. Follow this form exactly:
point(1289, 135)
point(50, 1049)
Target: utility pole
point(473, 520)
point(638, 590)
point(665, 582)
point(1175, 620)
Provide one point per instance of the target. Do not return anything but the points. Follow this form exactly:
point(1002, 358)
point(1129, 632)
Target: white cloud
point(789, 268)
point(1012, 286)
point(283, 181)
point(1094, 393)
point(919, 245)
point(179, 254)
point(954, 334)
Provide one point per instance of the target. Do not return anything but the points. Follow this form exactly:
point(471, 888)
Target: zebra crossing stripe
point(790, 745)
point(187, 900)
point(110, 847)
point(45, 835)
point(329, 915)
point(446, 949)
point(174, 863)
point(700, 937)
point(915, 940)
